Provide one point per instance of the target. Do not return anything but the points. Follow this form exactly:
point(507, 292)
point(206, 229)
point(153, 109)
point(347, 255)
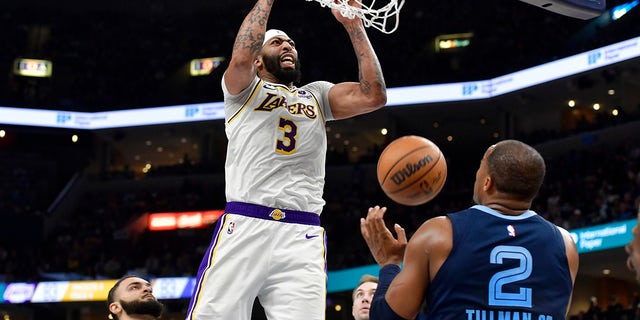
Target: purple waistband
point(267, 213)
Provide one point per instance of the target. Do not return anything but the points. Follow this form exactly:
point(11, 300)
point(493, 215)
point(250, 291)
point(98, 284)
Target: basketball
point(412, 170)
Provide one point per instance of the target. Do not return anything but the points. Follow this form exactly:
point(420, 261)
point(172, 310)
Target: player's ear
point(488, 183)
point(115, 307)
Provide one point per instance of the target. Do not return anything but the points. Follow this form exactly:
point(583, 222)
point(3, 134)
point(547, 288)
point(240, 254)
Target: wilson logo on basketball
point(410, 169)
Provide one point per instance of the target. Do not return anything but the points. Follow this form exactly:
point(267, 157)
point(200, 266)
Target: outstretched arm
point(388, 253)
point(241, 69)
point(384, 248)
point(400, 293)
point(349, 99)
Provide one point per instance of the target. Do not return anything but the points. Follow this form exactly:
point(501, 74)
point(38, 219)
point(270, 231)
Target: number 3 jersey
point(277, 144)
point(502, 267)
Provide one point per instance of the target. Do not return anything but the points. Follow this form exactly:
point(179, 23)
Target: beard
point(145, 307)
point(272, 65)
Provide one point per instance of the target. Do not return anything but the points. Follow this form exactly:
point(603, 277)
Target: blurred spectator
point(594, 312)
point(615, 309)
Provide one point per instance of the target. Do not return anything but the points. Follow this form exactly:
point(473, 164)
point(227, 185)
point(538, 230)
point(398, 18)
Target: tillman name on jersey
point(478, 314)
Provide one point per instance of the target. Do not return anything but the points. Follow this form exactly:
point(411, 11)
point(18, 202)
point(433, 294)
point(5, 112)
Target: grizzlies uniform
point(269, 242)
point(503, 271)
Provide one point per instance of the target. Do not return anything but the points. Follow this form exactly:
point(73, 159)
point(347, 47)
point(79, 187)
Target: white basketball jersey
point(277, 144)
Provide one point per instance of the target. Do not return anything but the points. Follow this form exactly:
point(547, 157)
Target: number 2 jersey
point(502, 267)
point(277, 144)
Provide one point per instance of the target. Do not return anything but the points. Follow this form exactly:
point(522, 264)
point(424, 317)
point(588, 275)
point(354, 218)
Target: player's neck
point(268, 77)
point(511, 208)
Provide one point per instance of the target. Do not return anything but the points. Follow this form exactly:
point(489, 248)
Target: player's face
point(280, 58)
point(362, 300)
point(136, 297)
point(633, 249)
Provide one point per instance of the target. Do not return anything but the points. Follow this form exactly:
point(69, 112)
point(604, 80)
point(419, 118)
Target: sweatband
point(272, 33)
point(379, 307)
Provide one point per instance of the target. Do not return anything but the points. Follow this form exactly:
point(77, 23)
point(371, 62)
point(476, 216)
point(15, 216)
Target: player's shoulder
point(319, 83)
point(566, 235)
point(434, 228)
point(317, 86)
point(252, 86)
point(435, 235)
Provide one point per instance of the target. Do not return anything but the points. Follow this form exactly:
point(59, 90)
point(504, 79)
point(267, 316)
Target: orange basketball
point(412, 170)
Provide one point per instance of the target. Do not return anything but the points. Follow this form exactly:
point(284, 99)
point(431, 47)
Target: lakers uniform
point(269, 243)
point(501, 267)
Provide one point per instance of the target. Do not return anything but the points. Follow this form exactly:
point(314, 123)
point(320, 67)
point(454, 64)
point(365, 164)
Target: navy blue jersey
point(502, 267)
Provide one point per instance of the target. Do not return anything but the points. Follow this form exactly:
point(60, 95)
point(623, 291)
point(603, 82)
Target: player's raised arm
point(241, 69)
point(349, 99)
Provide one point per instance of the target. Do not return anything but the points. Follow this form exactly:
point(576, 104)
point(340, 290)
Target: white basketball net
point(370, 15)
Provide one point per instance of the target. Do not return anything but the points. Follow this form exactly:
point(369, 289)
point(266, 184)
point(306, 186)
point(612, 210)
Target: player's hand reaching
point(383, 246)
point(345, 20)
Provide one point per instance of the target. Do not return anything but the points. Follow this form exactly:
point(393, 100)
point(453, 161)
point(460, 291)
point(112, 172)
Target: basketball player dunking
point(269, 243)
